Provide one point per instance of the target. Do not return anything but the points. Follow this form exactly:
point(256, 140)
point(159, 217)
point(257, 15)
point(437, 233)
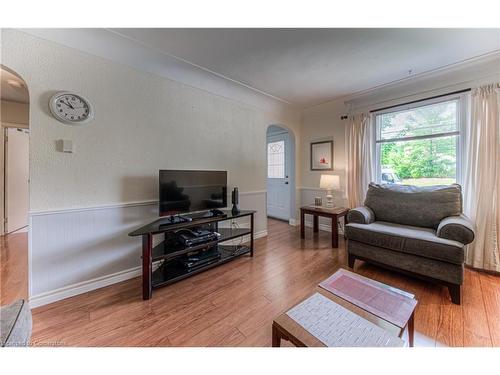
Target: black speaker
point(235, 199)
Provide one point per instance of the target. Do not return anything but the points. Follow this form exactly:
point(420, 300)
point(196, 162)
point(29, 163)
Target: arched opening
point(280, 173)
point(14, 180)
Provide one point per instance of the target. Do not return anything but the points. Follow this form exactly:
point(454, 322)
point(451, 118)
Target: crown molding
point(450, 77)
point(121, 49)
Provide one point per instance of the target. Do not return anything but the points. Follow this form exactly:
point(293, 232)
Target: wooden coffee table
point(388, 308)
point(334, 213)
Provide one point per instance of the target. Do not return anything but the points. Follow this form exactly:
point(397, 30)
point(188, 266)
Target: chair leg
point(350, 260)
point(454, 293)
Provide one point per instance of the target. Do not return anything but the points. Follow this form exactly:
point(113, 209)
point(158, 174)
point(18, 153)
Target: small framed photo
point(322, 156)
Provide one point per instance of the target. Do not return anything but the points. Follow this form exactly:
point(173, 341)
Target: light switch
point(65, 145)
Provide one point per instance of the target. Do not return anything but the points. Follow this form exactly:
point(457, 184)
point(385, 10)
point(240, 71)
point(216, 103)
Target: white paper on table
point(336, 326)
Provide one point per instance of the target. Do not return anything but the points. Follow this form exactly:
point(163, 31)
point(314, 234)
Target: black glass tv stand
point(175, 219)
point(167, 255)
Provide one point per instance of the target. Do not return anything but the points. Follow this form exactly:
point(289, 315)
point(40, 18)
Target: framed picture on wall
point(322, 156)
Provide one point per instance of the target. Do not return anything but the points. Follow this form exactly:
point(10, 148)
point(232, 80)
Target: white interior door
point(16, 178)
point(278, 172)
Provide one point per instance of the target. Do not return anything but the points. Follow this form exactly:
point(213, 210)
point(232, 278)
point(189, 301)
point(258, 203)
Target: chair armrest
point(456, 228)
point(361, 215)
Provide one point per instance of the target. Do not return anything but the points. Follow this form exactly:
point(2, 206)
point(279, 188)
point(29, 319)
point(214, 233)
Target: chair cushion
point(413, 205)
point(361, 215)
point(458, 228)
point(407, 239)
point(436, 269)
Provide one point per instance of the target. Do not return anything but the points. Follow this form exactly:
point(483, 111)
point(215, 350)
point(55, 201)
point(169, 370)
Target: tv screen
point(189, 191)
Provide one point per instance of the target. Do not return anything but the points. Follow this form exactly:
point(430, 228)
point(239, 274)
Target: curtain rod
point(420, 100)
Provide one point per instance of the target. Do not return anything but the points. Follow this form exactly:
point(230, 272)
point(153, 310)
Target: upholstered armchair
point(420, 231)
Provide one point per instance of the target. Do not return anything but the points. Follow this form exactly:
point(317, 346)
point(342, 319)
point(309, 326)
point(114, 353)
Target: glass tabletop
point(163, 224)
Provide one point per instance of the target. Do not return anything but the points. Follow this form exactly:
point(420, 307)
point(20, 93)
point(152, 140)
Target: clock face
point(70, 108)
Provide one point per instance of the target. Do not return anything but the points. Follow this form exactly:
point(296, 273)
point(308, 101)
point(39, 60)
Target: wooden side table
point(334, 213)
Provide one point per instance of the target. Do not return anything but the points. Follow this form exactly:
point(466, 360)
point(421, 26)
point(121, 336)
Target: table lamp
point(329, 182)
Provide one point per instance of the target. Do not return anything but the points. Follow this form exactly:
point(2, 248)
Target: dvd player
point(201, 258)
point(192, 237)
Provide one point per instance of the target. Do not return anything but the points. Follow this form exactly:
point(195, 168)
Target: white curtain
point(360, 153)
point(482, 177)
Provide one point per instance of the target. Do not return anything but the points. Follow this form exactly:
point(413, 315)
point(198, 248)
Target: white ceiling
point(310, 66)
point(11, 93)
point(303, 67)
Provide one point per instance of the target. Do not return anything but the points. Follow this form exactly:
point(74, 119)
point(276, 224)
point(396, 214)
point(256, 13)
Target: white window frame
point(463, 100)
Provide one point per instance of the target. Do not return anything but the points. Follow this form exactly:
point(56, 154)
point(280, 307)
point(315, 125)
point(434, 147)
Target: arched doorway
point(14, 180)
point(280, 174)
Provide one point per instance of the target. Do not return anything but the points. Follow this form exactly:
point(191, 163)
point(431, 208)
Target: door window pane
point(276, 159)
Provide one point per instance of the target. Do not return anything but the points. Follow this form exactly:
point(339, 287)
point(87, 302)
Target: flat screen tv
point(192, 191)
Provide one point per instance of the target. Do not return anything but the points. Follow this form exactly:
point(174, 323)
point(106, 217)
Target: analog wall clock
point(71, 108)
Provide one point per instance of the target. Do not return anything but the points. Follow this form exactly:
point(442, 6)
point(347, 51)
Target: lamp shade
point(329, 182)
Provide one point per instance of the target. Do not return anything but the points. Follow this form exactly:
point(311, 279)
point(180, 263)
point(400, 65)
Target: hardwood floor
point(234, 304)
point(13, 267)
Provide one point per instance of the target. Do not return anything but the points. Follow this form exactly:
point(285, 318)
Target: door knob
point(286, 182)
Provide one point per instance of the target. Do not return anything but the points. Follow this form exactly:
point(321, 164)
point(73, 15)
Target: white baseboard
point(262, 233)
point(325, 227)
point(83, 287)
point(293, 222)
point(93, 284)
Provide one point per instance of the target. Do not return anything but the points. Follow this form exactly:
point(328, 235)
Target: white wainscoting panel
point(71, 249)
point(77, 250)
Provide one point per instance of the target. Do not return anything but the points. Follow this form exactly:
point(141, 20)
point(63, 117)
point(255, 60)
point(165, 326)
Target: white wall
point(15, 113)
point(322, 122)
point(142, 123)
point(12, 114)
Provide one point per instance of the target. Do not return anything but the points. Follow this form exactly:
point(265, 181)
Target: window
point(420, 144)
point(276, 159)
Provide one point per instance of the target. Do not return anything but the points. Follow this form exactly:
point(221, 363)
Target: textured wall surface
point(142, 123)
point(323, 123)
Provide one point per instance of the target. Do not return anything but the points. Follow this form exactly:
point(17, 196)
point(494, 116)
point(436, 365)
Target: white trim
point(115, 205)
point(92, 284)
point(420, 103)
point(211, 72)
point(336, 192)
point(325, 227)
point(461, 100)
point(260, 234)
point(7, 124)
point(311, 188)
point(293, 222)
point(368, 99)
point(132, 53)
point(317, 189)
point(30, 256)
point(246, 238)
point(92, 208)
point(101, 281)
point(255, 192)
point(83, 287)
